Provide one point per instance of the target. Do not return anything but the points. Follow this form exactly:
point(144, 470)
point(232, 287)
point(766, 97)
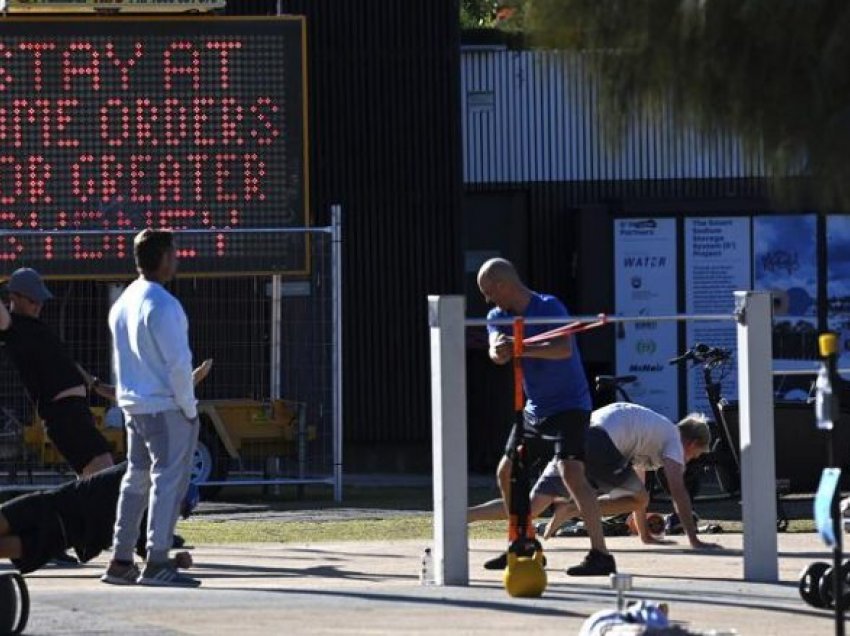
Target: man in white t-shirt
point(646, 440)
point(623, 442)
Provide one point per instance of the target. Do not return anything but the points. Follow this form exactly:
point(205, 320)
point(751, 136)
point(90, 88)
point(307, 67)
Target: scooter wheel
point(810, 581)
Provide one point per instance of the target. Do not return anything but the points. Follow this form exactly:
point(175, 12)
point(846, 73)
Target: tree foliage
point(477, 13)
point(774, 72)
point(500, 14)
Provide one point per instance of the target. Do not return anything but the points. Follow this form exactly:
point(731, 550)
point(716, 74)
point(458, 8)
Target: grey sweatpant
point(160, 447)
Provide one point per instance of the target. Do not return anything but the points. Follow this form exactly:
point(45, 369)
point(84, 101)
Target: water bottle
point(426, 574)
point(823, 400)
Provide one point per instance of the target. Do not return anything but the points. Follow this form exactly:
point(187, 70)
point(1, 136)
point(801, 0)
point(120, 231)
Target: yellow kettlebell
point(525, 577)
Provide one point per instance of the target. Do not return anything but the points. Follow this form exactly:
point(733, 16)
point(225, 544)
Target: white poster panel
point(717, 263)
point(645, 270)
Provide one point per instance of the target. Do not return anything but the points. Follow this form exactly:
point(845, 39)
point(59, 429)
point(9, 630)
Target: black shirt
point(87, 508)
point(78, 515)
point(43, 361)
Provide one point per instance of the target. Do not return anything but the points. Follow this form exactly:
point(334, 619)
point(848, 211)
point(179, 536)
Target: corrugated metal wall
point(531, 123)
point(532, 116)
point(385, 143)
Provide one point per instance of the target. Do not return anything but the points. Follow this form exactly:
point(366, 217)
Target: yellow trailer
point(230, 430)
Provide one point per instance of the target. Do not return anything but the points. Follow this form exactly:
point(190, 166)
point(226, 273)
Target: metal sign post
point(448, 416)
point(758, 459)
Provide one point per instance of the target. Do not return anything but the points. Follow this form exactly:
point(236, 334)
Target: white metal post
point(758, 461)
point(276, 340)
point(448, 418)
point(336, 283)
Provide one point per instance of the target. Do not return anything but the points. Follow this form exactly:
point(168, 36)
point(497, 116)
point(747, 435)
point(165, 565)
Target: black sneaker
point(501, 562)
point(65, 560)
point(594, 564)
point(497, 563)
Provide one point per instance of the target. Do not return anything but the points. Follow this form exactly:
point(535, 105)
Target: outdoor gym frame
point(448, 323)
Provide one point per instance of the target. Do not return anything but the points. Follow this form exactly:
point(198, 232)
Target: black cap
point(27, 282)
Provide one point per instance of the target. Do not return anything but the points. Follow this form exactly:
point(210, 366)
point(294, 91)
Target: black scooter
point(724, 457)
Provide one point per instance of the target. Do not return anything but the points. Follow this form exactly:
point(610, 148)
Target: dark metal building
point(385, 144)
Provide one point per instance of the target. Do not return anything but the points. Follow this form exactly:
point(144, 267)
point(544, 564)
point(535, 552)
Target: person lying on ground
point(78, 515)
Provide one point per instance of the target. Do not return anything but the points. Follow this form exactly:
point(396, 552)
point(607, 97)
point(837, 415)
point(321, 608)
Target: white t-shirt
point(644, 437)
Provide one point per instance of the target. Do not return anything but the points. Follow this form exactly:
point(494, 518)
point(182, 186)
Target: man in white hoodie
point(153, 368)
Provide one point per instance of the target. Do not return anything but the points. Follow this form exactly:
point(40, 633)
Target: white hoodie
point(150, 351)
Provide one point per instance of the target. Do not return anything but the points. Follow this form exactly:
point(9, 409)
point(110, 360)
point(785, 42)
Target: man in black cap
point(57, 385)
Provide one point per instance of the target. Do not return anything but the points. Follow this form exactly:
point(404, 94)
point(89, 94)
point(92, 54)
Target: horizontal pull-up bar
point(607, 319)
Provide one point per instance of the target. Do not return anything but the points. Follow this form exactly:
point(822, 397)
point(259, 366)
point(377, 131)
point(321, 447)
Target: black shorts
point(33, 519)
point(71, 427)
point(605, 467)
point(564, 431)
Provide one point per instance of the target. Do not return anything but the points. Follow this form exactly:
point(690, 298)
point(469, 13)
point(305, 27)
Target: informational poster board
point(646, 285)
point(717, 263)
point(785, 261)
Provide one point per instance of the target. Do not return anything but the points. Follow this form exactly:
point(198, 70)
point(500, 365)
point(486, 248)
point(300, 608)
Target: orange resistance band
point(519, 401)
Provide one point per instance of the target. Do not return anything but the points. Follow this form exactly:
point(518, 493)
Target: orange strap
point(519, 401)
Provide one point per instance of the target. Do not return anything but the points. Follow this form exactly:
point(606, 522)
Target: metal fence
point(270, 409)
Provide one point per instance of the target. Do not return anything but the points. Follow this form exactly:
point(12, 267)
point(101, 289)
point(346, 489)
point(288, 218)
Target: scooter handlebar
point(702, 353)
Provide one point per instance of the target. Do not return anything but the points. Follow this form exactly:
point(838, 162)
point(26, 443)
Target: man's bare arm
point(675, 474)
point(107, 391)
point(501, 348)
point(555, 349)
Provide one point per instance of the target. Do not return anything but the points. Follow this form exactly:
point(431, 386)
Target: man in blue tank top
point(558, 405)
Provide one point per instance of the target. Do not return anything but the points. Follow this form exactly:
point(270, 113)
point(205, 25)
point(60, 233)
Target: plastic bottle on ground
point(426, 573)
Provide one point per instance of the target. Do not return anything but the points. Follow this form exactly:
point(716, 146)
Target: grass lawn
point(416, 525)
point(198, 532)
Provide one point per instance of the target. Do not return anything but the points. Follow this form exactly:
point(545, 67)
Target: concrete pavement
point(350, 588)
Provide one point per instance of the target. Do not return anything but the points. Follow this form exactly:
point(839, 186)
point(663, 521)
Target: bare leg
point(99, 463)
point(10, 548)
point(494, 510)
point(574, 478)
point(566, 510)
point(503, 475)
point(5, 529)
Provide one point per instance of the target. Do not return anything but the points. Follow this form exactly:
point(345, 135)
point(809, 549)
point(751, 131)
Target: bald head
point(500, 284)
point(498, 270)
